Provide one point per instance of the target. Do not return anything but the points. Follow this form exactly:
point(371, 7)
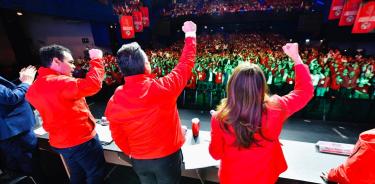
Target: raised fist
point(291, 49)
point(95, 54)
point(189, 26)
point(27, 75)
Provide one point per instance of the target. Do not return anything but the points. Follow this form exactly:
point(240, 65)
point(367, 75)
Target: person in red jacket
point(359, 167)
point(246, 127)
point(60, 100)
point(143, 116)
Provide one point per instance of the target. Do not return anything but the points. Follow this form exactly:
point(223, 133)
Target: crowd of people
point(126, 7)
point(334, 73)
point(215, 7)
point(143, 115)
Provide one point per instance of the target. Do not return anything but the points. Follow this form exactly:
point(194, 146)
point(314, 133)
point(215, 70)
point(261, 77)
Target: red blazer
point(60, 100)
point(359, 167)
point(260, 164)
point(142, 114)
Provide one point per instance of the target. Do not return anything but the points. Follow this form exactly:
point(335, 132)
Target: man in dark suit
point(18, 142)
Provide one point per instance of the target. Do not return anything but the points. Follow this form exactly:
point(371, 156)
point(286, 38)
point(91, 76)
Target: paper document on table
point(197, 156)
point(40, 131)
point(103, 133)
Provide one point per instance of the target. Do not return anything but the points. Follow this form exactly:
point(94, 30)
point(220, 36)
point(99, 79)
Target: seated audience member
point(245, 129)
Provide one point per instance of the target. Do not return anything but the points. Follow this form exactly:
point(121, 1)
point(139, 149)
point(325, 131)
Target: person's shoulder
point(274, 102)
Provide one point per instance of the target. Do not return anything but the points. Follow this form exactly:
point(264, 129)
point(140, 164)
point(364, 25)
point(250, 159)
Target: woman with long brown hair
point(246, 126)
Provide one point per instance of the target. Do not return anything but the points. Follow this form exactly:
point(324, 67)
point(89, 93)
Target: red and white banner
point(365, 20)
point(336, 9)
point(145, 17)
point(349, 12)
point(126, 25)
point(137, 18)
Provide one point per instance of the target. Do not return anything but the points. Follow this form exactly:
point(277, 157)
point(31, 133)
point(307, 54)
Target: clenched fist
point(95, 54)
point(189, 26)
point(291, 49)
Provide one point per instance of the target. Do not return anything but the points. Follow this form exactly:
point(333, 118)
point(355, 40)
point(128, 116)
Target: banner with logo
point(137, 18)
point(336, 9)
point(349, 12)
point(145, 17)
point(365, 20)
point(126, 25)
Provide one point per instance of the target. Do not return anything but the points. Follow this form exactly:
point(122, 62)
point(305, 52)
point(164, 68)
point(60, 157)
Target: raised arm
point(303, 88)
point(177, 79)
point(92, 83)
point(14, 96)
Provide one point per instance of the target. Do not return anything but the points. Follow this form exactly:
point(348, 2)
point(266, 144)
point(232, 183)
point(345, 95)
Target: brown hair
point(244, 106)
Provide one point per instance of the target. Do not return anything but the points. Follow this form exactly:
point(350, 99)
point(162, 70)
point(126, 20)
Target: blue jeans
point(166, 170)
point(85, 162)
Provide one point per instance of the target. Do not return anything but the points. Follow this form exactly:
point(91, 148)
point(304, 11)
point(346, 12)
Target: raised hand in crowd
point(27, 75)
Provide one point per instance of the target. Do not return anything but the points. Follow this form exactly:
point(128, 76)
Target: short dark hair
point(47, 53)
point(131, 59)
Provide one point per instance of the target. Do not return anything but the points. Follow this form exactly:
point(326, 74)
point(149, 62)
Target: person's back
point(245, 130)
point(143, 115)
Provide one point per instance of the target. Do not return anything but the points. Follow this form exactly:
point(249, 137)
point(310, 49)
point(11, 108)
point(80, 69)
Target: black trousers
point(166, 170)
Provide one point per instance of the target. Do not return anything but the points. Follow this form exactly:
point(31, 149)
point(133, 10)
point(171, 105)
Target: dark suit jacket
point(16, 115)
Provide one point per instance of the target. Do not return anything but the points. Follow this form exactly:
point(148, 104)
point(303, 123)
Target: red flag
point(145, 17)
point(137, 18)
point(349, 12)
point(127, 29)
point(336, 9)
point(365, 21)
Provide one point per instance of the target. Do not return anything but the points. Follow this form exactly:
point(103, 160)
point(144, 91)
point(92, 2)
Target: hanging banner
point(365, 20)
point(349, 12)
point(137, 18)
point(336, 9)
point(126, 25)
point(145, 17)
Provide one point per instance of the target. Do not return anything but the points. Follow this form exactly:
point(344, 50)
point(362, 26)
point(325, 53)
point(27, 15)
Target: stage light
point(307, 41)
point(205, 27)
point(290, 40)
point(111, 26)
point(321, 41)
point(222, 27)
point(19, 13)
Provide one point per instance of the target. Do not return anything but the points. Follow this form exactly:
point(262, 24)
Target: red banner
point(336, 9)
point(137, 18)
point(127, 29)
point(365, 21)
point(349, 12)
point(145, 17)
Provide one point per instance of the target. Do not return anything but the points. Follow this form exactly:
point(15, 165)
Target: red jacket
point(359, 167)
point(143, 115)
point(260, 164)
point(60, 100)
